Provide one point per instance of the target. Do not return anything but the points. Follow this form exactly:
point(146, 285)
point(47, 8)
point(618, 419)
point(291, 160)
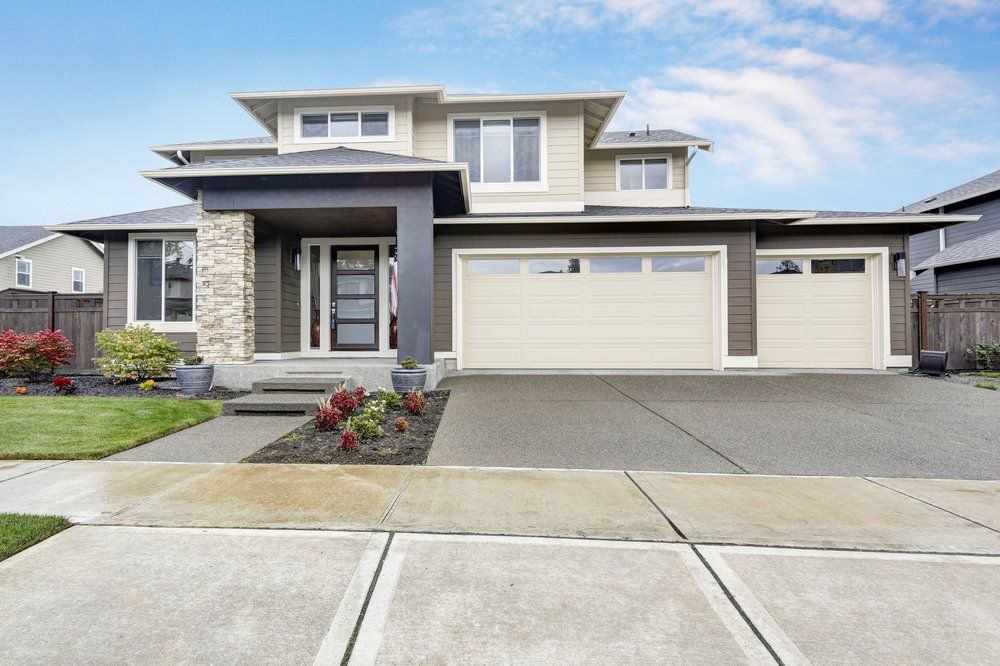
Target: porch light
point(296, 258)
point(899, 262)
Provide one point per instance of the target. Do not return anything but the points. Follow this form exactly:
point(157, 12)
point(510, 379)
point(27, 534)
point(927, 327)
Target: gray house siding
point(774, 237)
point(276, 294)
point(291, 315)
point(978, 278)
point(981, 278)
point(116, 290)
point(990, 210)
point(737, 236)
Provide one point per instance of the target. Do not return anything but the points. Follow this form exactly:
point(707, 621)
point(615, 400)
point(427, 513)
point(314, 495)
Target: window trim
point(161, 326)
point(31, 272)
point(541, 185)
point(650, 156)
point(311, 110)
point(83, 280)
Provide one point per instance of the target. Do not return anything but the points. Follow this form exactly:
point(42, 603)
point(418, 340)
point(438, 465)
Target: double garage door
point(588, 311)
point(658, 311)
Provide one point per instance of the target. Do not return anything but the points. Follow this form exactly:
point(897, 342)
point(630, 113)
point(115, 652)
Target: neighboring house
point(492, 231)
point(37, 259)
point(963, 258)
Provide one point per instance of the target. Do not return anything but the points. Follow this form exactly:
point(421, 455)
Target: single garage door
point(579, 311)
point(814, 312)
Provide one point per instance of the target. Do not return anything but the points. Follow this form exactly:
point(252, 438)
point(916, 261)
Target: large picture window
point(164, 280)
point(500, 149)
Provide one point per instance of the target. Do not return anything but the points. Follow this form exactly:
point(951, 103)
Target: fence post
point(52, 310)
point(922, 295)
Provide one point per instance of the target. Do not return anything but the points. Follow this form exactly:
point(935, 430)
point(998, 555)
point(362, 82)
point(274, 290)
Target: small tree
point(135, 353)
point(31, 355)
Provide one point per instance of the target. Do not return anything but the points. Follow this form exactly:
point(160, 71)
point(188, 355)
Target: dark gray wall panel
point(266, 294)
point(990, 210)
point(291, 314)
point(978, 278)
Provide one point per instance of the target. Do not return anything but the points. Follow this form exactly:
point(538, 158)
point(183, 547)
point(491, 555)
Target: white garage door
point(579, 311)
point(814, 312)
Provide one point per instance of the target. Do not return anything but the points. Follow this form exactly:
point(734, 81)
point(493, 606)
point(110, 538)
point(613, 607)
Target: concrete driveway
point(880, 424)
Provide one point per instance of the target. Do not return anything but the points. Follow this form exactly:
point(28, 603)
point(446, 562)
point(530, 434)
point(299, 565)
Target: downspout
point(180, 155)
point(687, 175)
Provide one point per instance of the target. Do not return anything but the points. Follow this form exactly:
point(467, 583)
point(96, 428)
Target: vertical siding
point(775, 237)
point(52, 263)
point(400, 145)
point(116, 294)
point(735, 235)
point(563, 132)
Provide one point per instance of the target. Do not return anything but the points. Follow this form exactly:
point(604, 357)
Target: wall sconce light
point(899, 261)
point(296, 258)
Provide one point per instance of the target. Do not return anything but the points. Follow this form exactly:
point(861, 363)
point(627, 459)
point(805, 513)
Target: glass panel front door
point(354, 298)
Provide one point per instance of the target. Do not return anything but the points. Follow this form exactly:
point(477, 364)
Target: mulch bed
point(309, 445)
point(101, 387)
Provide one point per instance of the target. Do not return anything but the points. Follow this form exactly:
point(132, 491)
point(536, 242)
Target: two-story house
point(33, 258)
point(491, 231)
point(963, 258)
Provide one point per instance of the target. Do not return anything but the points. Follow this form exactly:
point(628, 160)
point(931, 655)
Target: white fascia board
point(30, 245)
point(69, 228)
point(341, 92)
point(708, 146)
point(278, 171)
point(174, 147)
point(576, 219)
point(930, 218)
point(534, 97)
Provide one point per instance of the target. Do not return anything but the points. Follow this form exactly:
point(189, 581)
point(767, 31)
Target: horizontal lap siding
point(735, 235)
point(289, 293)
point(990, 221)
point(969, 278)
point(52, 263)
point(777, 237)
point(266, 286)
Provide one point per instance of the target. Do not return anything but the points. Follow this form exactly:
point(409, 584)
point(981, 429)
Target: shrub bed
point(381, 428)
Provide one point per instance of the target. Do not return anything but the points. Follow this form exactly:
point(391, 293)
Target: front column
point(415, 251)
point(224, 286)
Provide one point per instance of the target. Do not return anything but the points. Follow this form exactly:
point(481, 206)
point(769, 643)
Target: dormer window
point(338, 125)
point(504, 152)
point(641, 172)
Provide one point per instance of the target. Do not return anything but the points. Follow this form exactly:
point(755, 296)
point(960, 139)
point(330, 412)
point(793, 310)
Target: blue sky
point(842, 104)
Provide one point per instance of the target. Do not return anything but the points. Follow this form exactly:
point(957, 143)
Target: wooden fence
point(79, 316)
point(955, 322)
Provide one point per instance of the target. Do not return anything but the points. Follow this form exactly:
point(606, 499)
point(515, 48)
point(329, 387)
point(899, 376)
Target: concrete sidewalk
point(391, 565)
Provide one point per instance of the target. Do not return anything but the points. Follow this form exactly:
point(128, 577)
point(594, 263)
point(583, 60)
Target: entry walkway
point(460, 565)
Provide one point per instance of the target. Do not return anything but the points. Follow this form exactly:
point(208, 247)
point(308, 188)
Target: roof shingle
point(982, 248)
point(974, 188)
point(15, 237)
point(652, 136)
point(329, 157)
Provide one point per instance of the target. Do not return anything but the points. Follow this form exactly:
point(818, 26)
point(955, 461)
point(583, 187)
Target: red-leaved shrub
point(328, 416)
point(345, 402)
point(415, 401)
point(30, 355)
point(64, 385)
point(348, 440)
point(400, 424)
point(359, 394)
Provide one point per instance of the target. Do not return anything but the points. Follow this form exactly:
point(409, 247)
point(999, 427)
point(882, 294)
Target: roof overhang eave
point(666, 217)
point(930, 219)
point(707, 146)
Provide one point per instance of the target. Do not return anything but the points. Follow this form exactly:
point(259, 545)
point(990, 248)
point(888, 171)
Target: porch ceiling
point(325, 222)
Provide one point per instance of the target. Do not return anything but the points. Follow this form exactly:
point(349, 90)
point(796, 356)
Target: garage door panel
point(604, 320)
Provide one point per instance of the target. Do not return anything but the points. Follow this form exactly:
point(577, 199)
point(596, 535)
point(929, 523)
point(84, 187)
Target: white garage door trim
point(879, 257)
point(716, 254)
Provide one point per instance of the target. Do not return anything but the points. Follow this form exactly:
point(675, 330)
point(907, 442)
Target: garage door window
point(780, 266)
point(830, 266)
point(678, 264)
point(553, 266)
point(616, 265)
point(494, 266)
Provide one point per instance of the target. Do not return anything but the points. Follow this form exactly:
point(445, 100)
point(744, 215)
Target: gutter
point(931, 218)
point(663, 217)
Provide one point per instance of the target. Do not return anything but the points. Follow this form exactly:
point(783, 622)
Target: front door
point(354, 320)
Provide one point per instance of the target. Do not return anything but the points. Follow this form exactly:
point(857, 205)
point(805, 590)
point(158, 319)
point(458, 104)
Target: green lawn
point(69, 427)
point(19, 531)
point(985, 373)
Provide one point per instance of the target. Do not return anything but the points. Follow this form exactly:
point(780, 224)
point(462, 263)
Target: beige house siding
point(52, 264)
point(737, 236)
point(564, 135)
point(600, 180)
point(774, 237)
point(402, 143)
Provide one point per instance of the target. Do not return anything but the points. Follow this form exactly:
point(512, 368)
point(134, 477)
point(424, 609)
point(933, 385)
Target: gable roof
point(186, 214)
point(15, 239)
point(981, 248)
point(974, 188)
point(663, 138)
point(340, 156)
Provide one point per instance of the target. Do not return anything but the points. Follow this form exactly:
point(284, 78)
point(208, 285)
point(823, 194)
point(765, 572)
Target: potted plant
point(409, 376)
point(194, 376)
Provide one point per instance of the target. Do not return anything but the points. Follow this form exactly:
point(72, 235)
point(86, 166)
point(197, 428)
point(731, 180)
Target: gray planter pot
point(404, 381)
point(194, 379)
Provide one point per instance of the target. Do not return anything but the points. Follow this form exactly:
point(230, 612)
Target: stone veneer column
point(224, 286)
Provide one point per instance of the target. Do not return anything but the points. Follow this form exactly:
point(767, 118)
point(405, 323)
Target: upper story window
point(163, 280)
point(343, 125)
point(23, 270)
point(78, 279)
point(644, 173)
point(503, 152)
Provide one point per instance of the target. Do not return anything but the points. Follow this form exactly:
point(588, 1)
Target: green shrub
point(388, 396)
point(135, 353)
point(986, 385)
point(365, 426)
point(409, 363)
point(194, 360)
point(986, 354)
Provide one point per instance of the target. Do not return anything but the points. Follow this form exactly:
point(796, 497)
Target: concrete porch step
point(324, 384)
point(290, 404)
